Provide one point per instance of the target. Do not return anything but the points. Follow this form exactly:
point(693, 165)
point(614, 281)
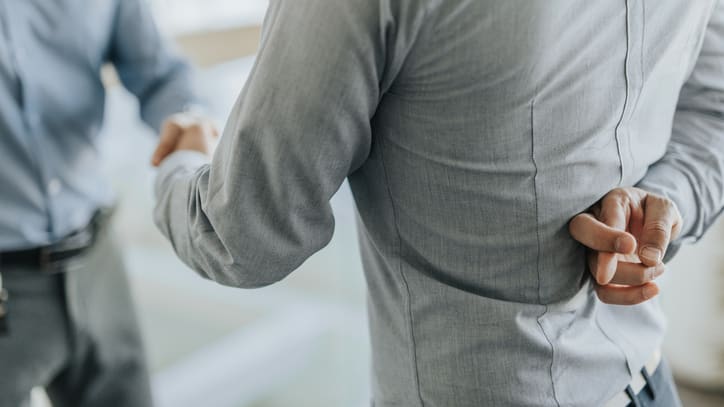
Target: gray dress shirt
point(471, 132)
point(52, 105)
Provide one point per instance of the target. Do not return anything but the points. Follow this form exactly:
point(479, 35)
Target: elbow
point(255, 265)
point(246, 277)
point(237, 279)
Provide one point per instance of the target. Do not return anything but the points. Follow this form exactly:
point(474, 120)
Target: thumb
point(598, 236)
point(660, 219)
point(170, 134)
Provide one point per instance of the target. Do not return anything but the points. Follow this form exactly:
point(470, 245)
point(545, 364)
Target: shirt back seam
point(408, 299)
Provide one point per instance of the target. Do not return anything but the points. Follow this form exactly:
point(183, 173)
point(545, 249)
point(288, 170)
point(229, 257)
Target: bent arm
point(300, 126)
point(691, 173)
point(148, 66)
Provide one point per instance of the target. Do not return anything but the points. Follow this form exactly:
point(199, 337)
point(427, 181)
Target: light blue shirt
point(52, 106)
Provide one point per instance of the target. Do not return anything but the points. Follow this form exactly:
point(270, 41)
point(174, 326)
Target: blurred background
point(304, 342)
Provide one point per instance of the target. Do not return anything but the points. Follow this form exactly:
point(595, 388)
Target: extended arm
point(301, 125)
point(148, 66)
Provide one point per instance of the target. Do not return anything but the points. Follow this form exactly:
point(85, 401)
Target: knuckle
point(662, 202)
point(668, 205)
point(659, 226)
point(617, 197)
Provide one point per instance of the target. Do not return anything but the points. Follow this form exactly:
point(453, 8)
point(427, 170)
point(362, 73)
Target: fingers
point(635, 274)
point(615, 209)
point(603, 266)
point(613, 212)
point(653, 220)
point(596, 235)
point(626, 295)
point(185, 131)
point(199, 137)
point(661, 221)
point(170, 134)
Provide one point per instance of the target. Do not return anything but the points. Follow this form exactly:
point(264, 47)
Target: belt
point(48, 258)
point(45, 258)
point(637, 383)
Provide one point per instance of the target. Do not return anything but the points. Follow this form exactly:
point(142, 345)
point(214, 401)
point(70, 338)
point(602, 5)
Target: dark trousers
point(660, 390)
point(74, 333)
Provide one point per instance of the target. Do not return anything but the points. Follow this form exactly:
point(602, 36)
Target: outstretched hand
point(185, 131)
point(627, 233)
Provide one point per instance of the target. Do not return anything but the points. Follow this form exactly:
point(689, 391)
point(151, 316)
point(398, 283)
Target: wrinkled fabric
point(471, 132)
point(52, 106)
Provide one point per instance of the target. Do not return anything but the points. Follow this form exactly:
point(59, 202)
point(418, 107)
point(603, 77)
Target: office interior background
point(304, 342)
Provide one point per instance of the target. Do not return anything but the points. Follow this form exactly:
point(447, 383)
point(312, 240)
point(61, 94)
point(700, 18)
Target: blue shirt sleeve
point(148, 66)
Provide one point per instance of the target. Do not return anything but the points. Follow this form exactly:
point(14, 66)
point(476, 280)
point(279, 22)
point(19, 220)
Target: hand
point(185, 131)
point(627, 233)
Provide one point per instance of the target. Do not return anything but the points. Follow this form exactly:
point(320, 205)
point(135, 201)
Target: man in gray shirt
point(471, 133)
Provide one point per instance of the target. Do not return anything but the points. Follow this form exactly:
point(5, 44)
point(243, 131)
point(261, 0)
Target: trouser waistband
point(51, 258)
point(47, 258)
point(637, 383)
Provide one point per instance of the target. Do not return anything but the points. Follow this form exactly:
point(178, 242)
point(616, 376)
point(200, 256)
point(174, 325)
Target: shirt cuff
point(676, 186)
point(187, 161)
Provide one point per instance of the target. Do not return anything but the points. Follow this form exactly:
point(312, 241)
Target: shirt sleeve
point(300, 126)
point(148, 66)
point(691, 173)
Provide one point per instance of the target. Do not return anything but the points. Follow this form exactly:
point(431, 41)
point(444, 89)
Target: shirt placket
point(633, 70)
point(634, 75)
point(19, 65)
point(7, 68)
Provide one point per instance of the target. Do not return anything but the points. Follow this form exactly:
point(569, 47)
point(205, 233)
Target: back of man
point(507, 119)
point(472, 132)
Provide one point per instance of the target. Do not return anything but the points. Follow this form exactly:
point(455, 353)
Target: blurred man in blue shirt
point(66, 319)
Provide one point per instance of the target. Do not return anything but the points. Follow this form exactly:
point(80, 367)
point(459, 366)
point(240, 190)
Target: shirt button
point(54, 187)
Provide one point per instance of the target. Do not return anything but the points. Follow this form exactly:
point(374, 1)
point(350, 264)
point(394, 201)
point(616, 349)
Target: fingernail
point(650, 291)
point(659, 270)
point(651, 254)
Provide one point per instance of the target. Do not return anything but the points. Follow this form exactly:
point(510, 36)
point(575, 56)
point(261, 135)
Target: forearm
point(300, 127)
point(173, 91)
point(149, 66)
point(692, 171)
point(180, 188)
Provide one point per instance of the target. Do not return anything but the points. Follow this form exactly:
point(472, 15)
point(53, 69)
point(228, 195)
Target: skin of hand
point(627, 233)
point(185, 131)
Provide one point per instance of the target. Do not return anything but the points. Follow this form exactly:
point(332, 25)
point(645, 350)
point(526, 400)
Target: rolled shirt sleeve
point(149, 66)
point(300, 126)
point(691, 173)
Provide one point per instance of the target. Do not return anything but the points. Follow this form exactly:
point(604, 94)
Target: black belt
point(50, 258)
point(46, 258)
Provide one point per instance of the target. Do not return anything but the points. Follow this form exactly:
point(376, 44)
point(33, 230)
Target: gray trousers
point(660, 390)
point(74, 333)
